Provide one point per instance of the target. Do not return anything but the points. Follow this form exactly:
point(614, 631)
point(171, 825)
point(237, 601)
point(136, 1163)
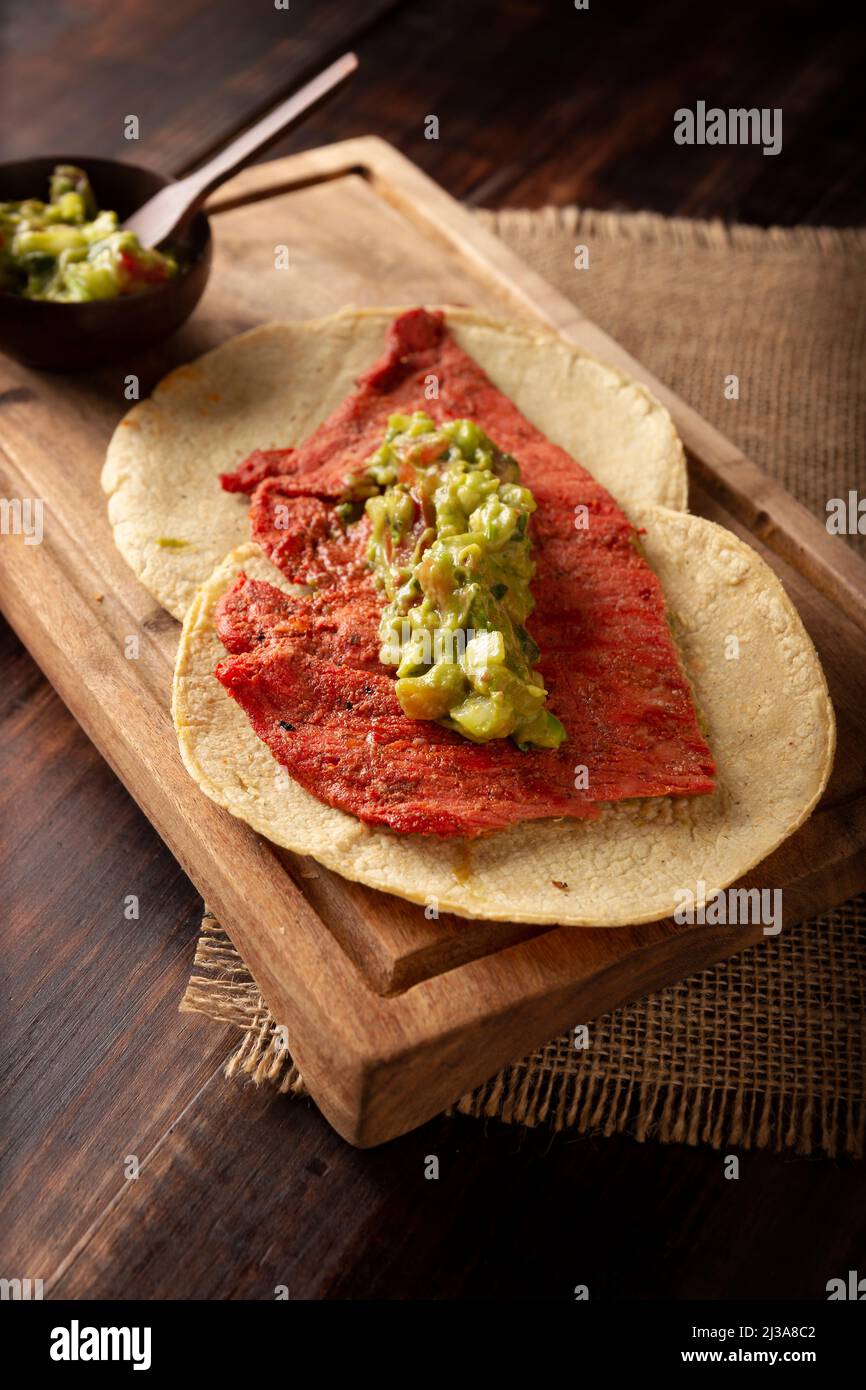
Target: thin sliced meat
point(343, 736)
point(608, 657)
point(341, 445)
point(341, 628)
point(261, 464)
point(306, 538)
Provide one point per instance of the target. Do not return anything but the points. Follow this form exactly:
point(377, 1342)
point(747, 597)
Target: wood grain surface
point(250, 1188)
point(538, 103)
point(390, 1017)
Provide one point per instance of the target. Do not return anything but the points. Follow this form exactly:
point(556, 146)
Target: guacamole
point(450, 550)
point(69, 251)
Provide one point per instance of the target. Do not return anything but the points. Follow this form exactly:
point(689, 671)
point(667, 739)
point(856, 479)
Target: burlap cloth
point(767, 1049)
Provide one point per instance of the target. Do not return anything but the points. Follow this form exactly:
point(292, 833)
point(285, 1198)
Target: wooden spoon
point(169, 210)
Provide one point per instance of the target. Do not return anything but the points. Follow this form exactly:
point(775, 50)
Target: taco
point(569, 761)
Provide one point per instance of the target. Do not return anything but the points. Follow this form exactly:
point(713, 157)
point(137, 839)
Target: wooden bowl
point(71, 336)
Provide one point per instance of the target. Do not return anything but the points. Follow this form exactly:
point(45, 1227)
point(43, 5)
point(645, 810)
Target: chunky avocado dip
point(450, 549)
point(69, 251)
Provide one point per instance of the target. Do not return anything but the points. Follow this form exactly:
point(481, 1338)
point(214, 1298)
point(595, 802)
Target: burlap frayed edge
point(666, 1112)
point(670, 1113)
point(677, 231)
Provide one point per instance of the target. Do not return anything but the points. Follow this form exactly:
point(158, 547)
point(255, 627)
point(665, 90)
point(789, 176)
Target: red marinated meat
point(261, 464)
point(607, 655)
point(342, 734)
point(338, 626)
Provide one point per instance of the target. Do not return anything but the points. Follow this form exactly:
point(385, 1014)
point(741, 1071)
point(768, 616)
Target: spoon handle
point(271, 125)
point(174, 206)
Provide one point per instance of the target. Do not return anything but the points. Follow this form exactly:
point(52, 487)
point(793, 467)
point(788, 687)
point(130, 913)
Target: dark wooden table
point(240, 1191)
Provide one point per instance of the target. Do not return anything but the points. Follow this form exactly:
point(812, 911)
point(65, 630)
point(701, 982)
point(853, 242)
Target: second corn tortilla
point(769, 723)
point(272, 387)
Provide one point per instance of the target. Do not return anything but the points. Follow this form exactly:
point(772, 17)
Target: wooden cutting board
point(390, 1017)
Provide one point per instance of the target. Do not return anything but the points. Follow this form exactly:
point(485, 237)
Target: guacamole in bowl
point(70, 251)
point(51, 315)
